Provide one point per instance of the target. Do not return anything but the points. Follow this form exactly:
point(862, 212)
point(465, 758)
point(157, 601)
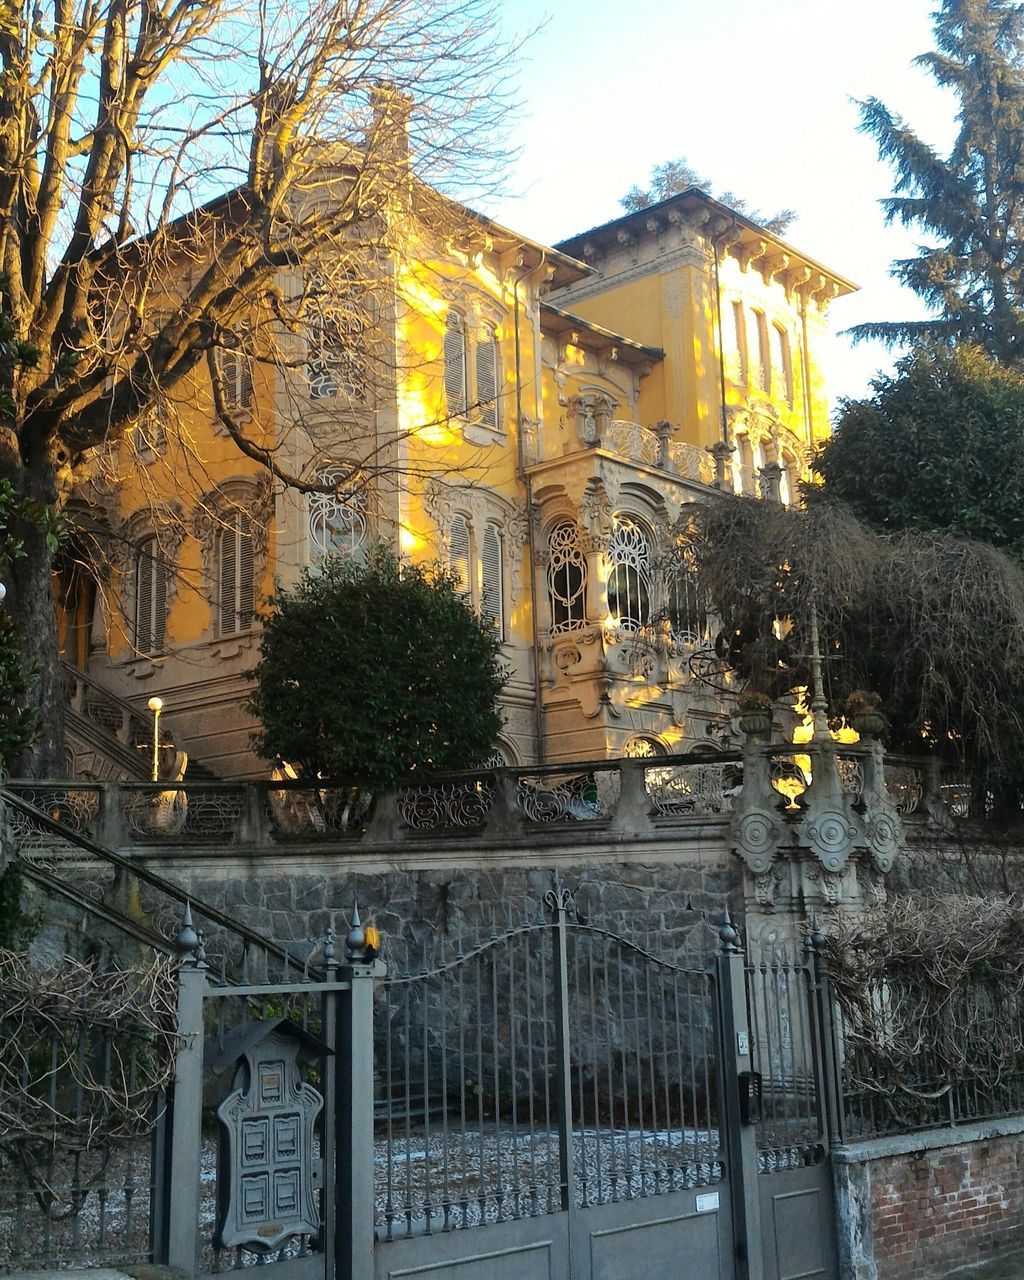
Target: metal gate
point(555, 1101)
point(560, 1102)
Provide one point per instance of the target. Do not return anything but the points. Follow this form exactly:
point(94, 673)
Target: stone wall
point(917, 1205)
point(674, 908)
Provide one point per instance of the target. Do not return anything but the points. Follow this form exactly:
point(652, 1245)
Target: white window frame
point(629, 573)
point(336, 522)
point(567, 600)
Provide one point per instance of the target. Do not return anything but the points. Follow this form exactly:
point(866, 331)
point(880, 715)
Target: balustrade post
point(632, 811)
point(721, 453)
point(254, 827)
point(739, 1139)
point(933, 804)
point(560, 901)
point(176, 1197)
point(124, 729)
point(109, 830)
point(353, 1122)
point(663, 430)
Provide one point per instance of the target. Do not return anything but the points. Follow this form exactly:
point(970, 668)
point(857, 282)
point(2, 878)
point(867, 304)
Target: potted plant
point(755, 710)
point(863, 711)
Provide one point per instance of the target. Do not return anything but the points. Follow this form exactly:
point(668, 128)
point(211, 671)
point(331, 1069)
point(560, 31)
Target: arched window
point(236, 574)
point(567, 578)
point(629, 578)
point(487, 378)
point(336, 337)
point(337, 521)
point(641, 748)
point(150, 597)
point(492, 607)
point(459, 557)
point(455, 364)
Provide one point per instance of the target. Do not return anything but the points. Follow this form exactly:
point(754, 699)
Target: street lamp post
point(156, 705)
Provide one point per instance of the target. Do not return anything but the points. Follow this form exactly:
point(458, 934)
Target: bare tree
point(169, 169)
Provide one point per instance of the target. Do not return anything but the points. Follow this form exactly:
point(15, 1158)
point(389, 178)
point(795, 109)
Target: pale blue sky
point(756, 95)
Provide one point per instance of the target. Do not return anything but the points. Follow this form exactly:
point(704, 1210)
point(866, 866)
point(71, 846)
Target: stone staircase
point(110, 739)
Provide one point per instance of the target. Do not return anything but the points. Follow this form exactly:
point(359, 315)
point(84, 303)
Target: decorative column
point(721, 452)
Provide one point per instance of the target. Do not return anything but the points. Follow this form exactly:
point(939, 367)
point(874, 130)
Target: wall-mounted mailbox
point(268, 1178)
point(750, 1097)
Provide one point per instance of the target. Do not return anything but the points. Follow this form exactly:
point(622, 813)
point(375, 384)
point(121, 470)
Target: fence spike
point(727, 934)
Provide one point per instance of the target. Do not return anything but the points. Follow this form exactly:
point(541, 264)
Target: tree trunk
point(30, 603)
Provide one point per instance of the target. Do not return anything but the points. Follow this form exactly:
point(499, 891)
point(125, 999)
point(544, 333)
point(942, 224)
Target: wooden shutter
point(150, 598)
point(455, 364)
point(458, 558)
point(492, 598)
point(246, 573)
point(144, 598)
point(487, 378)
point(227, 572)
point(244, 381)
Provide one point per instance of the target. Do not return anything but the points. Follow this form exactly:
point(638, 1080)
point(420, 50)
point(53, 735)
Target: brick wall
point(919, 1205)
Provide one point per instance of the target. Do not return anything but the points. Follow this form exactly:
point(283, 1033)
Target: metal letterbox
point(269, 1175)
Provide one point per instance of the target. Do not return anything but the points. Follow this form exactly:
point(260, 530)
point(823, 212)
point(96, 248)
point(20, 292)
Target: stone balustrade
point(652, 799)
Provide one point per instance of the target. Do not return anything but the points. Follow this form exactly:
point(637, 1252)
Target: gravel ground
point(454, 1181)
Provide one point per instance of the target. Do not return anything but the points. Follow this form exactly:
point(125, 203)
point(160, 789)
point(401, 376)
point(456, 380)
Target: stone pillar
point(722, 452)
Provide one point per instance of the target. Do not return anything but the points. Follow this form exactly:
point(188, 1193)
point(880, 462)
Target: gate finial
point(187, 940)
point(355, 939)
point(728, 935)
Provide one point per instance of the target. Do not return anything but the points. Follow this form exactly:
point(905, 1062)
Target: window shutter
point(227, 571)
point(244, 381)
point(144, 598)
point(492, 599)
point(487, 378)
point(246, 573)
point(458, 558)
point(455, 364)
point(159, 601)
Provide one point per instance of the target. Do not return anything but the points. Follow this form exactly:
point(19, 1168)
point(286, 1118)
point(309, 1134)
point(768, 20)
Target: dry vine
point(84, 1051)
point(931, 994)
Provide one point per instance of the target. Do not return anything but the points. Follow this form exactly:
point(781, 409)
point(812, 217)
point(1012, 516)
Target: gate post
point(739, 1139)
point(353, 1126)
point(561, 902)
point(177, 1220)
point(826, 1064)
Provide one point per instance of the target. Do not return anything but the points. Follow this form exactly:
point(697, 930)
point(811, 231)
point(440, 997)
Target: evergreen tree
point(970, 206)
point(673, 176)
point(370, 672)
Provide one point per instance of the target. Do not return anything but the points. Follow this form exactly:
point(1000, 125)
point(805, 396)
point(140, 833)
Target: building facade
point(536, 418)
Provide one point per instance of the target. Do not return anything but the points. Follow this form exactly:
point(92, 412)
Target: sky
point(759, 97)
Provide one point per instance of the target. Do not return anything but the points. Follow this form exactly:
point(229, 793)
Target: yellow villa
point(535, 417)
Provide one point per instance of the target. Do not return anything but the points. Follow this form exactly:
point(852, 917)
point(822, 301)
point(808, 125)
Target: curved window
point(567, 578)
point(236, 574)
point(641, 748)
point(337, 521)
point(150, 597)
point(629, 577)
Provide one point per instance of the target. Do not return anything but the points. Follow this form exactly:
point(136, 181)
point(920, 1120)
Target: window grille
point(337, 521)
point(458, 558)
point(236, 572)
point(492, 594)
point(688, 611)
point(567, 578)
point(629, 580)
point(336, 337)
point(455, 364)
point(641, 748)
point(236, 379)
point(150, 597)
point(487, 378)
